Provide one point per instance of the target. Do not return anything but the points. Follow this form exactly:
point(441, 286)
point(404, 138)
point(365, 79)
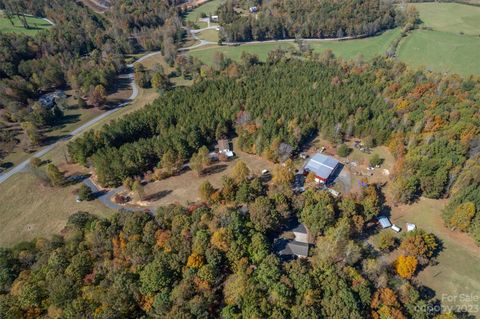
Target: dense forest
point(213, 260)
point(430, 121)
point(83, 51)
point(306, 19)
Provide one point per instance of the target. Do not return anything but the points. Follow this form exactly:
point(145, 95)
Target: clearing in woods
point(35, 24)
point(457, 272)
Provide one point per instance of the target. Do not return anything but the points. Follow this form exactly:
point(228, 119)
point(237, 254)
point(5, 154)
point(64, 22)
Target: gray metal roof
point(296, 248)
point(321, 165)
point(300, 229)
point(384, 222)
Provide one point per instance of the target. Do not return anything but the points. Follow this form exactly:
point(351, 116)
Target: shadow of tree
point(214, 169)
point(158, 195)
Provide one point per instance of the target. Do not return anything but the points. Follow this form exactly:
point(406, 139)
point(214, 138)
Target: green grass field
point(30, 210)
point(209, 8)
point(441, 52)
point(450, 17)
point(235, 52)
point(36, 25)
point(209, 35)
point(444, 48)
point(368, 47)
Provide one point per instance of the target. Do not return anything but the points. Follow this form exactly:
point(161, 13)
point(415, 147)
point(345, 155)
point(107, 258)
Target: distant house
point(213, 18)
point(48, 100)
point(297, 247)
point(322, 166)
point(224, 148)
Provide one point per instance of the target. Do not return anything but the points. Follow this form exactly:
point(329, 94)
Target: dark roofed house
point(291, 248)
point(322, 166)
point(301, 233)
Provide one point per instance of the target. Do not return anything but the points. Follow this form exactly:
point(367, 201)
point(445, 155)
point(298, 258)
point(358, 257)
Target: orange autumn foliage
point(195, 261)
point(406, 266)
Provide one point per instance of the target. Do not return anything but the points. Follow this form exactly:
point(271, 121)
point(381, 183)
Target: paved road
point(23, 165)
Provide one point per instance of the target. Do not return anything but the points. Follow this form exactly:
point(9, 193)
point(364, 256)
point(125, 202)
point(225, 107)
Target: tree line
point(304, 19)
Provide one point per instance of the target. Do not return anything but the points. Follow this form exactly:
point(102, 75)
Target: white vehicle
point(396, 228)
point(265, 172)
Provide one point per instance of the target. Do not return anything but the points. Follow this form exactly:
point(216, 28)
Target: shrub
point(85, 193)
point(343, 150)
point(375, 160)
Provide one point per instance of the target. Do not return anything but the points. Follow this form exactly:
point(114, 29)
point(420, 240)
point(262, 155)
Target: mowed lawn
point(36, 25)
point(29, 210)
point(450, 17)
point(209, 35)
point(441, 52)
point(458, 270)
point(209, 8)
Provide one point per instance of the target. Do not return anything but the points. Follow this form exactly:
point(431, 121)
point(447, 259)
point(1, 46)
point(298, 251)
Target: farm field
point(457, 271)
point(450, 17)
point(30, 210)
point(349, 49)
point(447, 41)
point(36, 25)
point(441, 52)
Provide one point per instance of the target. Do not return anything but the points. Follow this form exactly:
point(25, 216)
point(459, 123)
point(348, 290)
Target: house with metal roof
point(322, 166)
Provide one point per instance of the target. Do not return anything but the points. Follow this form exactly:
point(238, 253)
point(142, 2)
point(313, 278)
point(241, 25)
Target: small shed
point(384, 222)
point(411, 227)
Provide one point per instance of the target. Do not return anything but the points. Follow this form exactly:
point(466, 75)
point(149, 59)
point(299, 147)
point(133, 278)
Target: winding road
point(23, 165)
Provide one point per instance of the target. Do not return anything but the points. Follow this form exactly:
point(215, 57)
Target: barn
point(322, 166)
